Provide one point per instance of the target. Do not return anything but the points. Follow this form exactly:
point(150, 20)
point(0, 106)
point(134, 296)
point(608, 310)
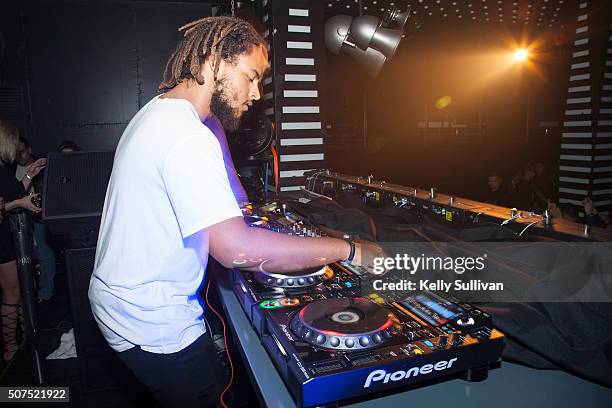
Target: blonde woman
point(13, 193)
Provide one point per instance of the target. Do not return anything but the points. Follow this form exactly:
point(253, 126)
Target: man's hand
point(1, 209)
point(36, 167)
point(365, 253)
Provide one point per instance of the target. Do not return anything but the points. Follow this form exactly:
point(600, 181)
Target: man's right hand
point(366, 252)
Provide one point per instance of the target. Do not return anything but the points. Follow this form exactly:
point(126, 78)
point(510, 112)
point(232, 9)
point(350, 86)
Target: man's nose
point(256, 91)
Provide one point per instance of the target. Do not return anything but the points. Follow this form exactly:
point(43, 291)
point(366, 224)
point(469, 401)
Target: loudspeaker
point(99, 366)
point(74, 189)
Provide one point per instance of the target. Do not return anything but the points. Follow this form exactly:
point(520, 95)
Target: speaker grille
point(99, 366)
point(75, 183)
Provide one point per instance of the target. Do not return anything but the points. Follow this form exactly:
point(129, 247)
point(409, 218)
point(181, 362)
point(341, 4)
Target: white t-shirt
point(21, 171)
point(168, 182)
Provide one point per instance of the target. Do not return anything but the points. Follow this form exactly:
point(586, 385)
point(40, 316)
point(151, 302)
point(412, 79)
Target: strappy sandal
point(10, 322)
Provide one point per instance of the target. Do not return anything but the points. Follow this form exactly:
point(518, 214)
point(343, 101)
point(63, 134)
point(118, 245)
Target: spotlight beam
point(521, 55)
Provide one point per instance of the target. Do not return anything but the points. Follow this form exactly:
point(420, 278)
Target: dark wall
point(89, 67)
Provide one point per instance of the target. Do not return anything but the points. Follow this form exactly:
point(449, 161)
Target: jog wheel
point(344, 324)
point(305, 278)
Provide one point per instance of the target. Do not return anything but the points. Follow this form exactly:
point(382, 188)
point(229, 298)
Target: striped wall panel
point(293, 91)
point(585, 166)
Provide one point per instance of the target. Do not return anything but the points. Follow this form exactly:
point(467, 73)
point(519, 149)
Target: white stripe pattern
point(572, 191)
point(301, 109)
point(293, 173)
point(603, 180)
point(299, 45)
point(577, 146)
point(580, 53)
point(298, 28)
point(576, 169)
point(301, 94)
point(300, 125)
point(583, 88)
point(301, 157)
point(300, 77)
point(578, 100)
point(577, 123)
point(578, 112)
point(581, 41)
point(298, 12)
point(299, 61)
point(576, 134)
point(575, 180)
point(579, 77)
point(309, 141)
point(576, 157)
point(291, 188)
point(580, 65)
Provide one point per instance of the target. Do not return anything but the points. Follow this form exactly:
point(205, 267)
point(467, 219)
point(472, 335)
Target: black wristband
point(351, 255)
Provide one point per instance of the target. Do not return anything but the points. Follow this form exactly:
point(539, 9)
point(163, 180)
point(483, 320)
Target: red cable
point(275, 156)
point(226, 349)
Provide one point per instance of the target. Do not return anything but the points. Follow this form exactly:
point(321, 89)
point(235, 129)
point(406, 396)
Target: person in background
point(591, 216)
point(543, 180)
point(524, 193)
point(497, 193)
point(14, 196)
point(25, 160)
point(67, 146)
point(42, 250)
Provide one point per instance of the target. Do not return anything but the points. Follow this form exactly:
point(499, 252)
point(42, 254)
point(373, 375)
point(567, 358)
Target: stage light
point(366, 39)
point(521, 55)
point(443, 102)
point(337, 30)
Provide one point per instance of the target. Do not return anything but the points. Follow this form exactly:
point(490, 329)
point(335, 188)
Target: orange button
point(290, 302)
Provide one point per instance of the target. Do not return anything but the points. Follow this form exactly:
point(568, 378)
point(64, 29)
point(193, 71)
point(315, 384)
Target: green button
point(269, 304)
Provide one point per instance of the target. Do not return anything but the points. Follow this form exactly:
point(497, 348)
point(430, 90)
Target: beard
point(221, 107)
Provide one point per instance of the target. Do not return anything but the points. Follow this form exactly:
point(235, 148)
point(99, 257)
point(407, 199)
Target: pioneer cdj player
point(331, 342)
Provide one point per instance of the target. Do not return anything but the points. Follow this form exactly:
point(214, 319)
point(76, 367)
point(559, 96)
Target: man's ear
point(208, 69)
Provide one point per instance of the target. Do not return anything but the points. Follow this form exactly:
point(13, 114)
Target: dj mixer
point(331, 342)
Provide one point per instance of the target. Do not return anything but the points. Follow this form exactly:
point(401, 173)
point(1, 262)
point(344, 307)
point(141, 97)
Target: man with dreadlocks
point(169, 204)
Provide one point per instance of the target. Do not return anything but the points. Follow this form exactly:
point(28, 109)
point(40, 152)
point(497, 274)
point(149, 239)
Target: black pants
point(191, 377)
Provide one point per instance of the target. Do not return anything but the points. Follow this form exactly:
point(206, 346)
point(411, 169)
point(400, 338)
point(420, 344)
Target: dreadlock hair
point(222, 38)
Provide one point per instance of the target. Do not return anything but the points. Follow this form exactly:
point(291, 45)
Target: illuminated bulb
point(521, 55)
